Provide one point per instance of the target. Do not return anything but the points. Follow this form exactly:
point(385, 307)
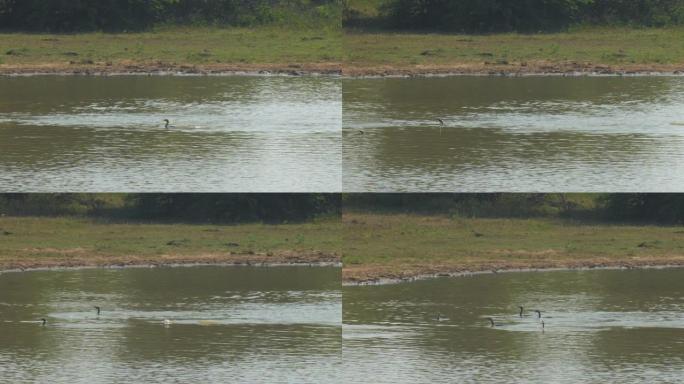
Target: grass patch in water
point(599, 46)
point(46, 241)
point(404, 245)
point(176, 46)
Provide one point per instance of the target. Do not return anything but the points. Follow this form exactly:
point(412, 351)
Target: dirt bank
point(76, 258)
point(570, 68)
point(347, 70)
point(375, 274)
point(68, 68)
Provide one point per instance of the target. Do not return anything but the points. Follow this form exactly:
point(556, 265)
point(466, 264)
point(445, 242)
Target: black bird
point(441, 125)
point(477, 234)
point(493, 324)
point(167, 126)
point(98, 310)
point(538, 313)
point(360, 132)
point(521, 311)
point(43, 322)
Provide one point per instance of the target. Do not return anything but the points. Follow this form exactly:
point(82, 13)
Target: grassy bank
point(587, 49)
point(378, 246)
point(30, 242)
point(189, 49)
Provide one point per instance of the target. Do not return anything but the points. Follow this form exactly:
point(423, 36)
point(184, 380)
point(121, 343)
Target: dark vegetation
point(644, 208)
point(176, 207)
point(235, 208)
point(120, 15)
point(485, 16)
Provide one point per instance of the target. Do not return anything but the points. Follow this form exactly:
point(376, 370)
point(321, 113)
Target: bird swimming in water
point(167, 122)
point(441, 317)
point(521, 311)
point(98, 310)
point(167, 322)
point(538, 313)
point(43, 321)
point(441, 125)
point(493, 324)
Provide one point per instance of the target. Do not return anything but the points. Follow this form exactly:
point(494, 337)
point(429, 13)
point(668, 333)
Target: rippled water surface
point(228, 325)
point(599, 327)
point(60, 133)
point(514, 134)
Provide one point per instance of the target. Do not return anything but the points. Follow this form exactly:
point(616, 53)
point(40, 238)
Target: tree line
point(483, 16)
point(479, 16)
point(283, 207)
point(640, 208)
point(120, 15)
point(196, 208)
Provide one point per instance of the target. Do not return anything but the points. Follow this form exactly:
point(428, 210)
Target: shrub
point(119, 15)
point(528, 15)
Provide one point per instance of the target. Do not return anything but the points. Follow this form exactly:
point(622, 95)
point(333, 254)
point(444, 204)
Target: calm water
point(65, 133)
point(600, 327)
point(514, 134)
point(229, 325)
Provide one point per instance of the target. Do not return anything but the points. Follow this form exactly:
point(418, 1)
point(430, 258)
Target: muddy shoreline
point(104, 69)
point(349, 70)
point(377, 275)
point(539, 68)
point(283, 258)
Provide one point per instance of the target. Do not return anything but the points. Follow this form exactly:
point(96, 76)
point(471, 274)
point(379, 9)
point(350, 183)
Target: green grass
point(596, 45)
point(176, 46)
point(32, 239)
point(377, 245)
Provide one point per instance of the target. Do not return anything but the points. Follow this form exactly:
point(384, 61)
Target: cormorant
point(493, 323)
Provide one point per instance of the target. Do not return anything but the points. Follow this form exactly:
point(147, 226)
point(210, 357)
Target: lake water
point(599, 327)
point(228, 325)
point(104, 134)
point(550, 134)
